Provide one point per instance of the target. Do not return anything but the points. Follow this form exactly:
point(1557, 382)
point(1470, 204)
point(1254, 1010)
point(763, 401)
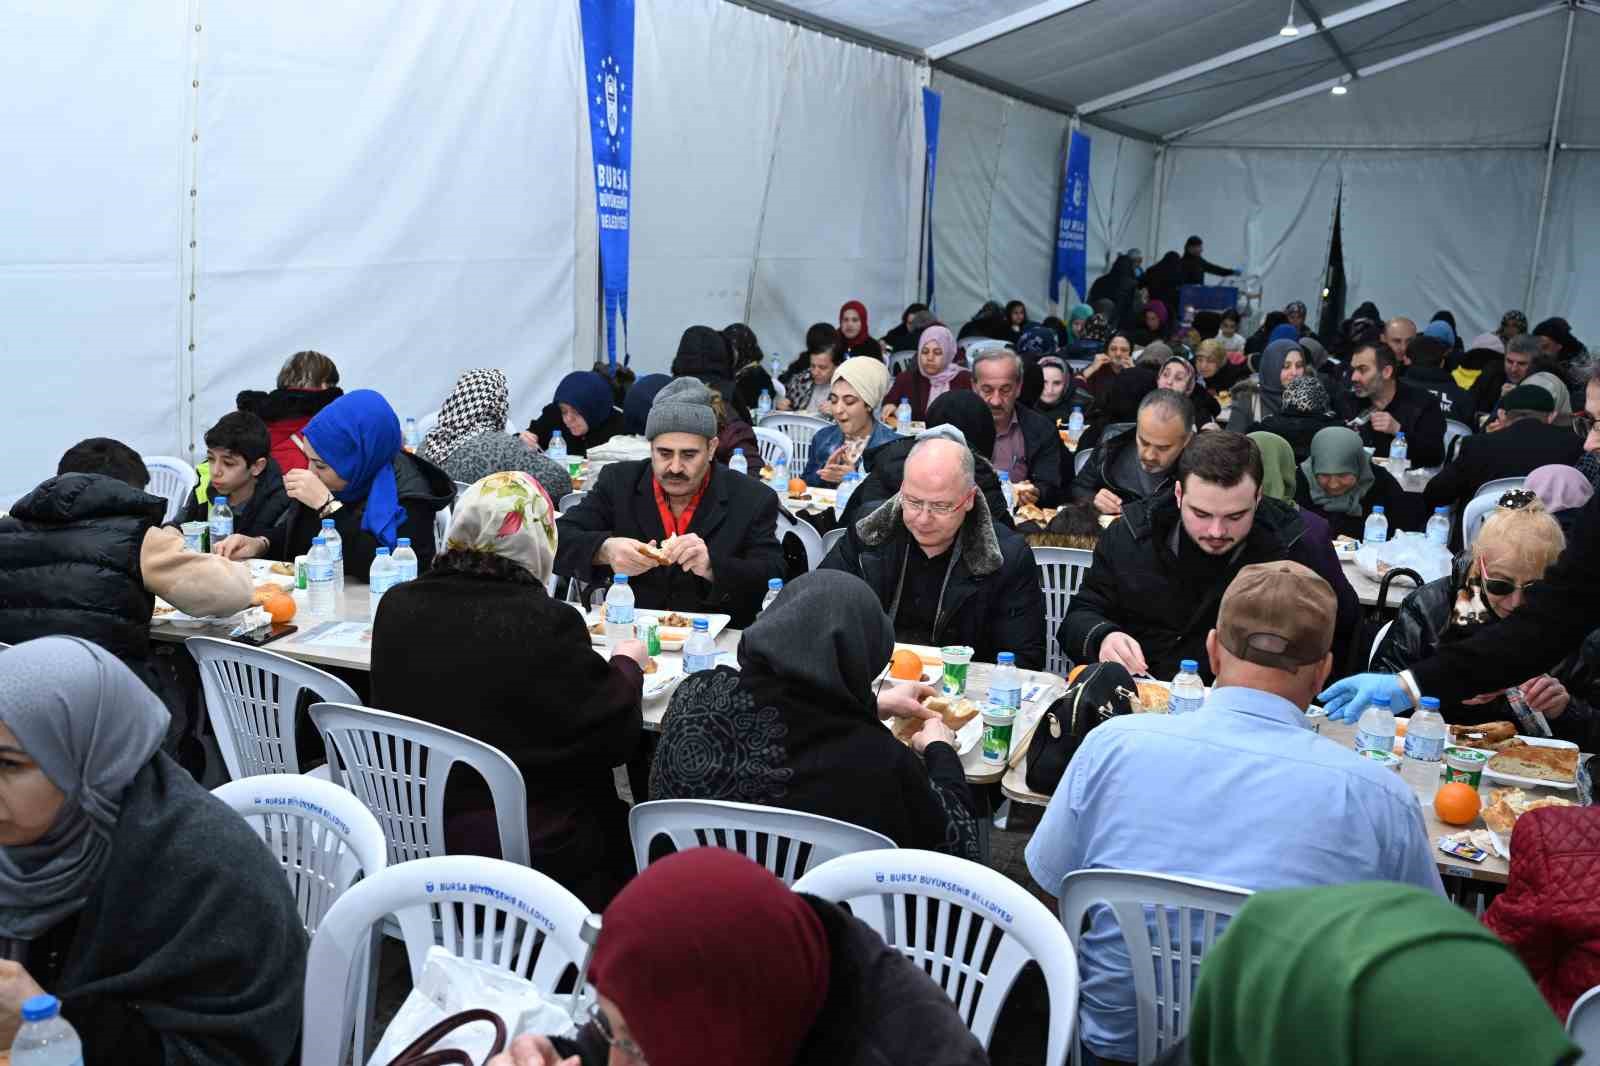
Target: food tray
point(715, 624)
point(1536, 782)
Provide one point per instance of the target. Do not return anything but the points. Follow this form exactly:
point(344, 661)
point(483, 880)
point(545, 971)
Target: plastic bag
point(450, 984)
point(1410, 550)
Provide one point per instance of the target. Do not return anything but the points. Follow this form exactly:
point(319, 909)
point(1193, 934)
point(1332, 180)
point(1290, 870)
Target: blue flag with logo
point(1072, 232)
point(931, 103)
point(608, 83)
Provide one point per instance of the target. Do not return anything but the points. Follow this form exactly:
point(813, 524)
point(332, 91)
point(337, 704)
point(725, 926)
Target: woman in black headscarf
point(805, 732)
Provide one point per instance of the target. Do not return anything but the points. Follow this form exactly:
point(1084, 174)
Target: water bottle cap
point(1430, 703)
point(619, 579)
point(1400, 436)
point(555, 434)
point(1006, 658)
point(327, 523)
point(1077, 410)
point(1441, 510)
point(40, 1008)
point(1378, 509)
point(221, 501)
point(383, 552)
point(701, 625)
point(1005, 475)
point(1189, 666)
point(403, 542)
point(775, 584)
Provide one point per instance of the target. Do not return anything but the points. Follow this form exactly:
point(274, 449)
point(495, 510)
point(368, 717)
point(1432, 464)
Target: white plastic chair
point(787, 843)
point(1479, 507)
point(571, 500)
point(1163, 983)
point(1583, 1025)
point(172, 479)
point(488, 910)
point(810, 539)
point(774, 443)
point(1454, 431)
point(1061, 573)
point(251, 695)
point(397, 766)
point(1080, 459)
point(441, 529)
point(979, 345)
point(922, 903)
point(1378, 640)
point(832, 537)
point(799, 429)
point(899, 362)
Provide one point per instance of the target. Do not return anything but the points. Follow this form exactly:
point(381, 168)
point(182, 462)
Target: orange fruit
point(1456, 803)
point(906, 665)
point(280, 608)
point(797, 486)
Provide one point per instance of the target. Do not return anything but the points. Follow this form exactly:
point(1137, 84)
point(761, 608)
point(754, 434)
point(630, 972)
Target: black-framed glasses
point(1499, 586)
point(602, 1025)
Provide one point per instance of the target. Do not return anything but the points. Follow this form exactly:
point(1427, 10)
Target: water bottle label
point(1369, 741)
point(694, 664)
point(1177, 704)
point(1006, 697)
point(1424, 749)
point(619, 614)
point(221, 528)
point(319, 571)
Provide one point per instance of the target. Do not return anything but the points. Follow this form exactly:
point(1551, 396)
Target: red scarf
point(861, 309)
point(679, 526)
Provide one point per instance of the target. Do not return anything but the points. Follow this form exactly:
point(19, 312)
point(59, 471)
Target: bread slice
point(1541, 763)
point(1506, 805)
point(1490, 736)
point(955, 712)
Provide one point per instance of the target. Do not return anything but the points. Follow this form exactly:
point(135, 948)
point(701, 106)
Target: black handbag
point(417, 1053)
point(1101, 692)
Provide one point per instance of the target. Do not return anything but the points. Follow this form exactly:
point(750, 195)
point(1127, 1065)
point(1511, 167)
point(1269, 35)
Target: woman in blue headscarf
point(361, 479)
point(583, 411)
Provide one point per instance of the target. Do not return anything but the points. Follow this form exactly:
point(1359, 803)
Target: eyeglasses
point(1499, 586)
point(911, 505)
point(602, 1025)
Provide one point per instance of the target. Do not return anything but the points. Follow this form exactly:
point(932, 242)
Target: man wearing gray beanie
point(691, 535)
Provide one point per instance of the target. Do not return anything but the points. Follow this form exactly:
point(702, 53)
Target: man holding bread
point(691, 535)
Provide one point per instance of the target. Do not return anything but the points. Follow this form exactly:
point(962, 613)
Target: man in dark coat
point(1384, 406)
point(1196, 266)
point(1138, 464)
point(944, 572)
point(1159, 572)
point(716, 529)
point(1427, 371)
point(1027, 446)
point(1120, 285)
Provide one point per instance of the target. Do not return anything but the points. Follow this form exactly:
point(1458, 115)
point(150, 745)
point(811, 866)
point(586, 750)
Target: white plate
point(668, 673)
point(967, 737)
point(715, 624)
point(261, 570)
point(1534, 782)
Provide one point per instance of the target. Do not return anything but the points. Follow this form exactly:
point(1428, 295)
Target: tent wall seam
point(189, 241)
point(994, 186)
point(1550, 158)
point(790, 49)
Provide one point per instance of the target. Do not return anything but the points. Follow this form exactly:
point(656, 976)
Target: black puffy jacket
point(886, 469)
point(69, 564)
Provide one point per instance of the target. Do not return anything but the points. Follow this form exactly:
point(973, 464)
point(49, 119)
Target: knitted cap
point(682, 406)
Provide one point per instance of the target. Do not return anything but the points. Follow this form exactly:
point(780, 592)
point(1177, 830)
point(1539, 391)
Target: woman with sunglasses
point(1517, 544)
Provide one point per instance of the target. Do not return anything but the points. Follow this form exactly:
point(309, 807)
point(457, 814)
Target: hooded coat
point(286, 412)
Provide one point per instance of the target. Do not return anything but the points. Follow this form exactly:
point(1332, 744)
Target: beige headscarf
point(868, 376)
point(508, 515)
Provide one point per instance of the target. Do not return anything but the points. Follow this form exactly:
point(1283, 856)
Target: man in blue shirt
point(1241, 792)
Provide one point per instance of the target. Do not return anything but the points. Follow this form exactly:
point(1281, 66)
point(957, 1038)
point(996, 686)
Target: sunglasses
point(1499, 586)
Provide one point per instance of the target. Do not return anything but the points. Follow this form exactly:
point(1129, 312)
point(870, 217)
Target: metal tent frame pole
point(1550, 160)
point(1156, 197)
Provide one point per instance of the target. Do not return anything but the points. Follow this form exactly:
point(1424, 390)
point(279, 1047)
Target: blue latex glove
point(1345, 700)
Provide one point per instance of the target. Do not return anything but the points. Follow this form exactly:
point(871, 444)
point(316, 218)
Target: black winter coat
point(1100, 471)
point(1515, 451)
point(1420, 420)
point(549, 421)
point(737, 518)
point(1139, 586)
point(992, 601)
point(886, 469)
point(1048, 468)
point(1454, 401)
point(257, 518)
point(1297, 429)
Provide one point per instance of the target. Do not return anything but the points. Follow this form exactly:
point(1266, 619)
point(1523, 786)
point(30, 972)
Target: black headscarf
point(965, 410)
point(847, 639)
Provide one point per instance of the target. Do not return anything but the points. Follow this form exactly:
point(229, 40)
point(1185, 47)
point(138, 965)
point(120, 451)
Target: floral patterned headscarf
point(509, 515)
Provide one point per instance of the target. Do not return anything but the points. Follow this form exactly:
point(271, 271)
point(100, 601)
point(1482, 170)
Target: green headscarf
point(1337, 450)
point(1373, 973)
point(1277, 465)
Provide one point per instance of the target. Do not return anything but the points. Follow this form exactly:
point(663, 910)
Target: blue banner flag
point(1072, 232)
point(608, 82)
point(930, 128)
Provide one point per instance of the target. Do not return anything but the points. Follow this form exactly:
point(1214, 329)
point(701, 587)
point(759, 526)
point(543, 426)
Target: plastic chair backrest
point(1485, 501)
point(172, 479)
point(981, 344)
point(1081, 459)
point(1454, 431)
point(799, 429)
point(251, 695)
point(1583, 1025)
point(571, 500)
point(441, 529)
point(772, 444)
point(321, 835)
point(787, 843)
point(1061, 572)
point(832, 537)
point(810, 539)
point(398, 766)
point(1164, 986)
point(1383, 631)
point(492, 911)
point(899, 362)
point(923, 903)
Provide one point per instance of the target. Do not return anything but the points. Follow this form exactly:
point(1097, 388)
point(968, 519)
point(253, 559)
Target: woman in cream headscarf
point(477, 645)
point(858, 389)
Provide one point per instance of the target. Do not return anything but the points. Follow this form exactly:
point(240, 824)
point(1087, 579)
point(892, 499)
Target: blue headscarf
point(1440, 331)
point(1285, 332)
point(358, 435)
point(588, 392)
point(636, 408)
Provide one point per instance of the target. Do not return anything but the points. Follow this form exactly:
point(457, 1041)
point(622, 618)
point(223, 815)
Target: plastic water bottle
point(763, 404)
point(381, 578)
point(413, 436)
point(774, 587)
point(558, 447)
point(902, 416)
point(847, 485)
point(699, 651)
point(335, 546)
point(1007, 490)
point(780, 476)
point(619, 610)
point(1439, 527)
point(1425, 738)
point(739, 464)
point(219, 521)
point(775, 372)
point(321, 593)
point(45, 1038)
point(1075, 423)
point(1398, 463)
point(1188, 691)
point(405, 561)
point(1375, 731)
point(1005, 684)
point(1376, 531)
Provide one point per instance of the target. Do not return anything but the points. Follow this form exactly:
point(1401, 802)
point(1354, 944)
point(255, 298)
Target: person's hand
point(837, 466)
point(305, 487)
point(1487, 697)
point(905, 701)
point(690, 552)
point(1384, 422)
point(1027, 492)
point(1507, 387)
point(239, 546)
point(529, 1050)
point(16, 987)
point(1100, 360)
point(622, 554)
point(1123, 649)
point(1547, 696)
point(531, 440)
point(1345, 700)
point(783, 404)
point(933, 730)
point(1107, 502)
point(631, 649)
point(1591, 443)
point(890, 413)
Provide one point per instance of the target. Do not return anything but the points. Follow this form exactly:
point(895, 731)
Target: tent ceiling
point(1160, 67)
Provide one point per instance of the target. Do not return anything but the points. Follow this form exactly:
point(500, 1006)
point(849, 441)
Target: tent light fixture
point(1289, 28)
point(1340, 90)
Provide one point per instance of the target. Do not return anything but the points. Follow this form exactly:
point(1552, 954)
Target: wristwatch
point(330, 507)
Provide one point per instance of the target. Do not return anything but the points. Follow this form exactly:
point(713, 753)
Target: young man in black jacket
point(1385, 406)
point(239, 466)
point(1427, 371)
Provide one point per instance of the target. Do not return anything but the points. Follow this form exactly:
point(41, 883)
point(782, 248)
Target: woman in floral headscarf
point(477, 645)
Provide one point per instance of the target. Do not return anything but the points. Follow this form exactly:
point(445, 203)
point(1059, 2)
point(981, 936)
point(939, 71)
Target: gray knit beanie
point(682, 406)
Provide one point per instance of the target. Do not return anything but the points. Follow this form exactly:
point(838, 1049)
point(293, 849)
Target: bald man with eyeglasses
point(944, 572)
